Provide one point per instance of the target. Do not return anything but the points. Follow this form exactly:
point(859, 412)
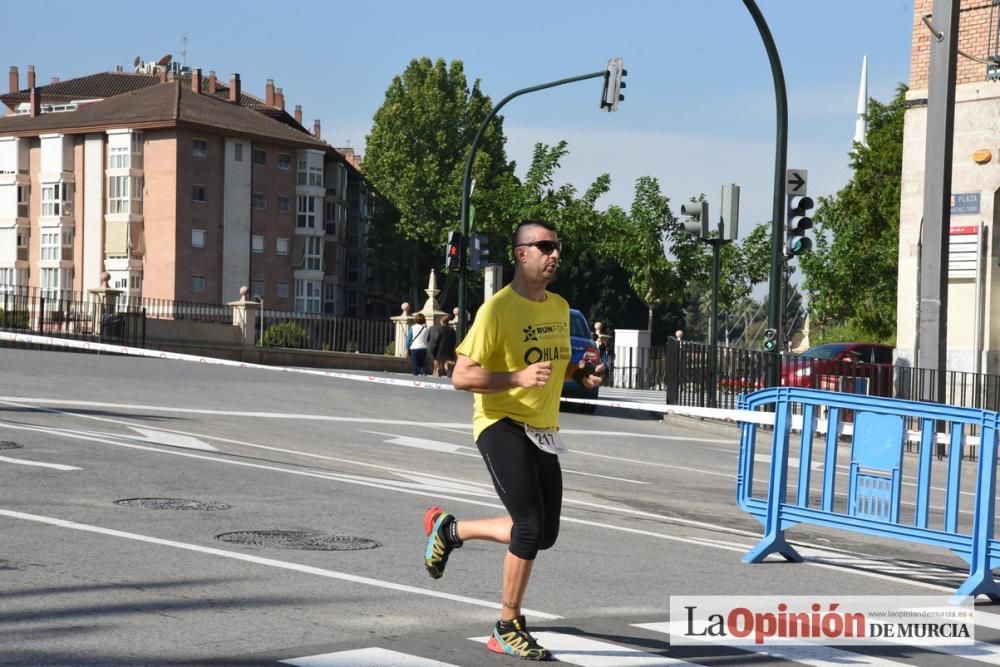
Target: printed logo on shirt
point(553, 333)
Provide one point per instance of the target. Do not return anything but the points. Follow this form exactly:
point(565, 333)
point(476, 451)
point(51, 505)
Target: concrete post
point(402, 323)
point(105, 302)
point(245, 317)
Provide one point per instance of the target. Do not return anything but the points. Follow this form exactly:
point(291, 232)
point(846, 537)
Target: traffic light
point(770, 340)
point(697, 224)
point(799, 221)
point(480, 253)
point(453, 251)
point(613, 85)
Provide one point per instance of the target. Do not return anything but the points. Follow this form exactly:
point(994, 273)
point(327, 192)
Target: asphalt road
point(102, 563)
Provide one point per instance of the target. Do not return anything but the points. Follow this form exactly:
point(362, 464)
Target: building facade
point(182, 189)
point(973, 338)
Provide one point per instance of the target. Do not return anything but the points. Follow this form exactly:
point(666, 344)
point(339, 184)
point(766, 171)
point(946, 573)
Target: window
point(136, 143)
point(310, 174)
point(238, 152)
point(50, 282)
point(50, 246)
point(259, 200)
point(23, 192)
point(284, 161)
point(199, 193)
point(198, 284)
point(307, 296)
point(67, 238)
point(281, 289)
point(281, 246)
point(54, 198)
point(282, 204)
point(257, 288)
point(307, 212)
point(316, 176)
point(259, 156)
point(257, 244)
point(199, 148)
point(124, 194)
point(197, 238)
point(118, 157)
point(314, 253)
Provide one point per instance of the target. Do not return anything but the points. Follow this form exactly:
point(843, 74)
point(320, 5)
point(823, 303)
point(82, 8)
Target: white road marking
point(369, 657)
point(233, 413)
point(158, 437)
point(269, 562)
point(419, 443)
point(808, 654)
point(577, 650)
point(423, 491)
point(25, 462)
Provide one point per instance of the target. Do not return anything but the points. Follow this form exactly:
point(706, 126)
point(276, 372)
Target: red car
point(863, 368)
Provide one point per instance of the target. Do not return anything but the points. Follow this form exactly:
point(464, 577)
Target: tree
point(415, 157)
point(851, 276)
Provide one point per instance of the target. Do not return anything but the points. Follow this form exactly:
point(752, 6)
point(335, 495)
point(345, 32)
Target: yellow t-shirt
point(511, 333)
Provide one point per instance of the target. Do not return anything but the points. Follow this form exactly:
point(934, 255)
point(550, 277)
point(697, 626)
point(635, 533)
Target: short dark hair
point(514, 238)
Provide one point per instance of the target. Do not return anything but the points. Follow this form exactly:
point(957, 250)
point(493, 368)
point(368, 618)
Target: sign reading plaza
point(803, 619)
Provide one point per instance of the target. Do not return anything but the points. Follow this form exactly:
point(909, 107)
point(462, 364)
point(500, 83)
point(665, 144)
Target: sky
point(699, 107)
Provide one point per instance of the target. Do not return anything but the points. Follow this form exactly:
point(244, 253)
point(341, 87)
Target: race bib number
point(546, 439)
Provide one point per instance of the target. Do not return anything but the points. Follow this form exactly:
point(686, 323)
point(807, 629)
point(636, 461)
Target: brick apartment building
point(973, 339)
point(182, 188)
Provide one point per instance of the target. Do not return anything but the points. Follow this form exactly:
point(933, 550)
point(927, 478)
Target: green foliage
point(286, 334)
point(13, 319)
point(844, 333)
point(419, 143)
point(851, 276)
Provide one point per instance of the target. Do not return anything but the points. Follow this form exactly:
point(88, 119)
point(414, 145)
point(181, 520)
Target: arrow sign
point(795, 181)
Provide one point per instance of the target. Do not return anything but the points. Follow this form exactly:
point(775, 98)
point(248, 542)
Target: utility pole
point(932, 308)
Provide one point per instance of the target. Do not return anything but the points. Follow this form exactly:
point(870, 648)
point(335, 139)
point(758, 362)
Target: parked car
point(583, 347)
point(852, 367)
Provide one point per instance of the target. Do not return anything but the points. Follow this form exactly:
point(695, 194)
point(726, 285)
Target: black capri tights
point(529, 483)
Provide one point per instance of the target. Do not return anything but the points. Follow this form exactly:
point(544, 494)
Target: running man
point(515, 360)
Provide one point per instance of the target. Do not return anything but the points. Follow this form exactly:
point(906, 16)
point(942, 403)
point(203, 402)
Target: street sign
point(795, 181)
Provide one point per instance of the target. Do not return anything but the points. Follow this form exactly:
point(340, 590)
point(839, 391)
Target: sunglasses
point(547, 247)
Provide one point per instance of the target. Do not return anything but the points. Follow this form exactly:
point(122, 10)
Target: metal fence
point(335, 334)
point(55, 314)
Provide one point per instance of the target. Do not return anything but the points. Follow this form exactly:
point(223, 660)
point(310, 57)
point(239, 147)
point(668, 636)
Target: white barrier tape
point(723, 414)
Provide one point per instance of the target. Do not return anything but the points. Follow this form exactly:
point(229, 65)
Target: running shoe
point(515, 640)
point(438, 546)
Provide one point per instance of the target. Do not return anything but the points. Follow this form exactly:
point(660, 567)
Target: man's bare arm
point(470, 376)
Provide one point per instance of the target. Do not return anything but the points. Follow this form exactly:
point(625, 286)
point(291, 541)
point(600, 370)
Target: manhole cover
point(171, 504)
point(7, 444)
point(294, 539)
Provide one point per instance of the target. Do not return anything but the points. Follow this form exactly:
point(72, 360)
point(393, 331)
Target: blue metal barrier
point(874, 472)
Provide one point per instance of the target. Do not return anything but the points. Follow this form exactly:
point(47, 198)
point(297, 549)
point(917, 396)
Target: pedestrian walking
point(441, 347)
point(515, 360)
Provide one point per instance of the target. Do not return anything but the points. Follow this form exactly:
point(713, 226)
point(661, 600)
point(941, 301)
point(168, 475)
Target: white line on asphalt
point(232, 413)
point(270, 562)
point(371, 657)
point(577, 650)
point(383, 484)
point(24, 462)
point(808, 654)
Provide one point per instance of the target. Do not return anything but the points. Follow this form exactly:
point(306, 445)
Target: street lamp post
point(780, 162)
point(467, 185)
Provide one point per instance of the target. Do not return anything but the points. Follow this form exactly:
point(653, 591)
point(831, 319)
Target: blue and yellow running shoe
point(512, 638)
point(436, 525)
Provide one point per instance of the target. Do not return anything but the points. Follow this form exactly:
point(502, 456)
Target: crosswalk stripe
point(807, 654)
point(577, 650)
point(370, 657)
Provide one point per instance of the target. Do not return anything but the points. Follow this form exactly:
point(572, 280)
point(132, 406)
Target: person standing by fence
point(442, 347)
point(418, 337)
